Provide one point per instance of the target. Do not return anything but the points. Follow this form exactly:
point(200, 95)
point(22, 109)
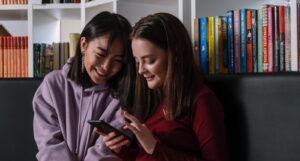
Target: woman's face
point(151, 62)
point(100, 63)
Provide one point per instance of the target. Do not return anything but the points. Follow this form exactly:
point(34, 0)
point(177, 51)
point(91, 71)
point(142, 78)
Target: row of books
point(245, 41)
point(13, 56)
point(13, 1)
point(48, 57)
point(60, 1)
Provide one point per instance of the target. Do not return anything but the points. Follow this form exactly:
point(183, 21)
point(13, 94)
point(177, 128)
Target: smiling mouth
point(149, 78)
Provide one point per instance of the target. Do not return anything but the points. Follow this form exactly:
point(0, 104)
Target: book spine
point(254, 40)
point(265, 37)
point(281, 38)
point(211, 45)
point(249, 44)
point(270, 38)
point(287, 18)
point(243, 41)
point(1, 57)
point(203, 42)
point(259, 42)
point(237, 41)
point(217, 40)
point(225, 47)
point(230, 42)
point(276, 39)
point(298, 34)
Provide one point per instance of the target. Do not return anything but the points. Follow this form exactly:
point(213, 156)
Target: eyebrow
point(105, 51)
point(102, 49)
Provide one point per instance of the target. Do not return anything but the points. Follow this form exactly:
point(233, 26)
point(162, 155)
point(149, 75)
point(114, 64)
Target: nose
point(106, 64)
point(141, 68)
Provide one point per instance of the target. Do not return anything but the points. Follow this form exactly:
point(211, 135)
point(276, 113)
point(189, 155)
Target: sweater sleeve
point(209, 129)
point(47, 132)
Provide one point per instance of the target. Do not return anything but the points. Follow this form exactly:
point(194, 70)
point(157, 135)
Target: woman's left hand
point(143, 134)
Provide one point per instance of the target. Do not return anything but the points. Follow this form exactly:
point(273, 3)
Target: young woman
point(175, 116)
point(94, 84)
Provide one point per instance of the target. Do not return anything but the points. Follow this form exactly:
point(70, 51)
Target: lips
point(101, 73)
point(149, 78)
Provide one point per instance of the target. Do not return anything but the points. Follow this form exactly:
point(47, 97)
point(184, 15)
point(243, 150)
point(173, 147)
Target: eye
point(150, 61)
point(100, 55)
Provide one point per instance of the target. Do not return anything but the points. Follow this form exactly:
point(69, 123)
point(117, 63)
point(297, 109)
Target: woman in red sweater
point(175, 116)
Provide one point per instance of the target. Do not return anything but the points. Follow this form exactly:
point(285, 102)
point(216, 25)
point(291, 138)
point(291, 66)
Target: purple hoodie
point(61, 111)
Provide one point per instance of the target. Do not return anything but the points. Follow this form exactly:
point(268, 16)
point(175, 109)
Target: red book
point(1, 57)
point(249, 55)
point(265, 37)
point(270, 39)
point(281, 38)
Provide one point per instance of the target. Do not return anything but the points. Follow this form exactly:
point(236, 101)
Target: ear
point(83, 45)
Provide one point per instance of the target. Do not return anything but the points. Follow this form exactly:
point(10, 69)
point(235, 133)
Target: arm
point(47, 132)
point(209, 129)
point(99, 151)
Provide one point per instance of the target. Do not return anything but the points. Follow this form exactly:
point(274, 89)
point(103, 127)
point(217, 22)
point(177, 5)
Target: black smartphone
point(107, 128)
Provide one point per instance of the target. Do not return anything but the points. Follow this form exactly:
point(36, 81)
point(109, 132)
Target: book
point(74, 39)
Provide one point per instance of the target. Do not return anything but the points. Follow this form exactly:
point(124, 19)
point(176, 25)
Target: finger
point(114, 140)
point(132, 119)
point(132, 128)
point(109, 136)
point(119, 145)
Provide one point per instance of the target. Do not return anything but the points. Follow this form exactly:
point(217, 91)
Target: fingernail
point(123, 112)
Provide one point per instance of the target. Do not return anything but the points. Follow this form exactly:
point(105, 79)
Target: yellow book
point(211, 45)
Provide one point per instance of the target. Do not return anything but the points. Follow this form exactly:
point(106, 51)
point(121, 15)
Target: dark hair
point(118, 27)
point(182, 78)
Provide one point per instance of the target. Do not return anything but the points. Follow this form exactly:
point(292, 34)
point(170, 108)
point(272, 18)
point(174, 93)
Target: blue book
point(203, 46)
point(230, 42)
point(243, 32)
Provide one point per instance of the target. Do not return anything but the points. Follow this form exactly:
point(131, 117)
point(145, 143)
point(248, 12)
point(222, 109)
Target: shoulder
point(54, 78)
point(207, 105)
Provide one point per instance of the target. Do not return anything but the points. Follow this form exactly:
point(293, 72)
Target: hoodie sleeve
point(47, 132)
point(100, 152)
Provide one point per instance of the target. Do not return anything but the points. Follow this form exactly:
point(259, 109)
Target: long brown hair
point(182, 78)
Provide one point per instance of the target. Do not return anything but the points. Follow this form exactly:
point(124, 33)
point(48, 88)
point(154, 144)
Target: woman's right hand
point(113, 143)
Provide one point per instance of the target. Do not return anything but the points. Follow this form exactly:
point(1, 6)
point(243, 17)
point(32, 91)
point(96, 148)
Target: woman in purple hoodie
point(94, 84)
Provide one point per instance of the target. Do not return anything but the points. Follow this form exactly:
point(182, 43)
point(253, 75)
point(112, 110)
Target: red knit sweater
point(203, 139)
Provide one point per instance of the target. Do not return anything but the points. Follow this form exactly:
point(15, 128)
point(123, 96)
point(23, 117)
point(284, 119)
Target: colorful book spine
point(218, 38)
point(287, 38)
point(265, 37)
point(249, 43)
point(230, 42)
point(270, 38)
point(203, 46)
point(254, 40)
point(224, 47)
point(275, 39)
point(211, 45)
point(237, 41)
point(243, 40)
point(1, 57)
point(259, 42)
point(281, 19)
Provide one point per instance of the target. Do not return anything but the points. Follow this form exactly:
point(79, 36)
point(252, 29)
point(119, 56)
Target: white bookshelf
point(219, 8)
point(47, 23)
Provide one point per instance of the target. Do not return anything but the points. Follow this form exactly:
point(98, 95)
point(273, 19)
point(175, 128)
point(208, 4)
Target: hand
point(142, 133)
point(113, 143)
